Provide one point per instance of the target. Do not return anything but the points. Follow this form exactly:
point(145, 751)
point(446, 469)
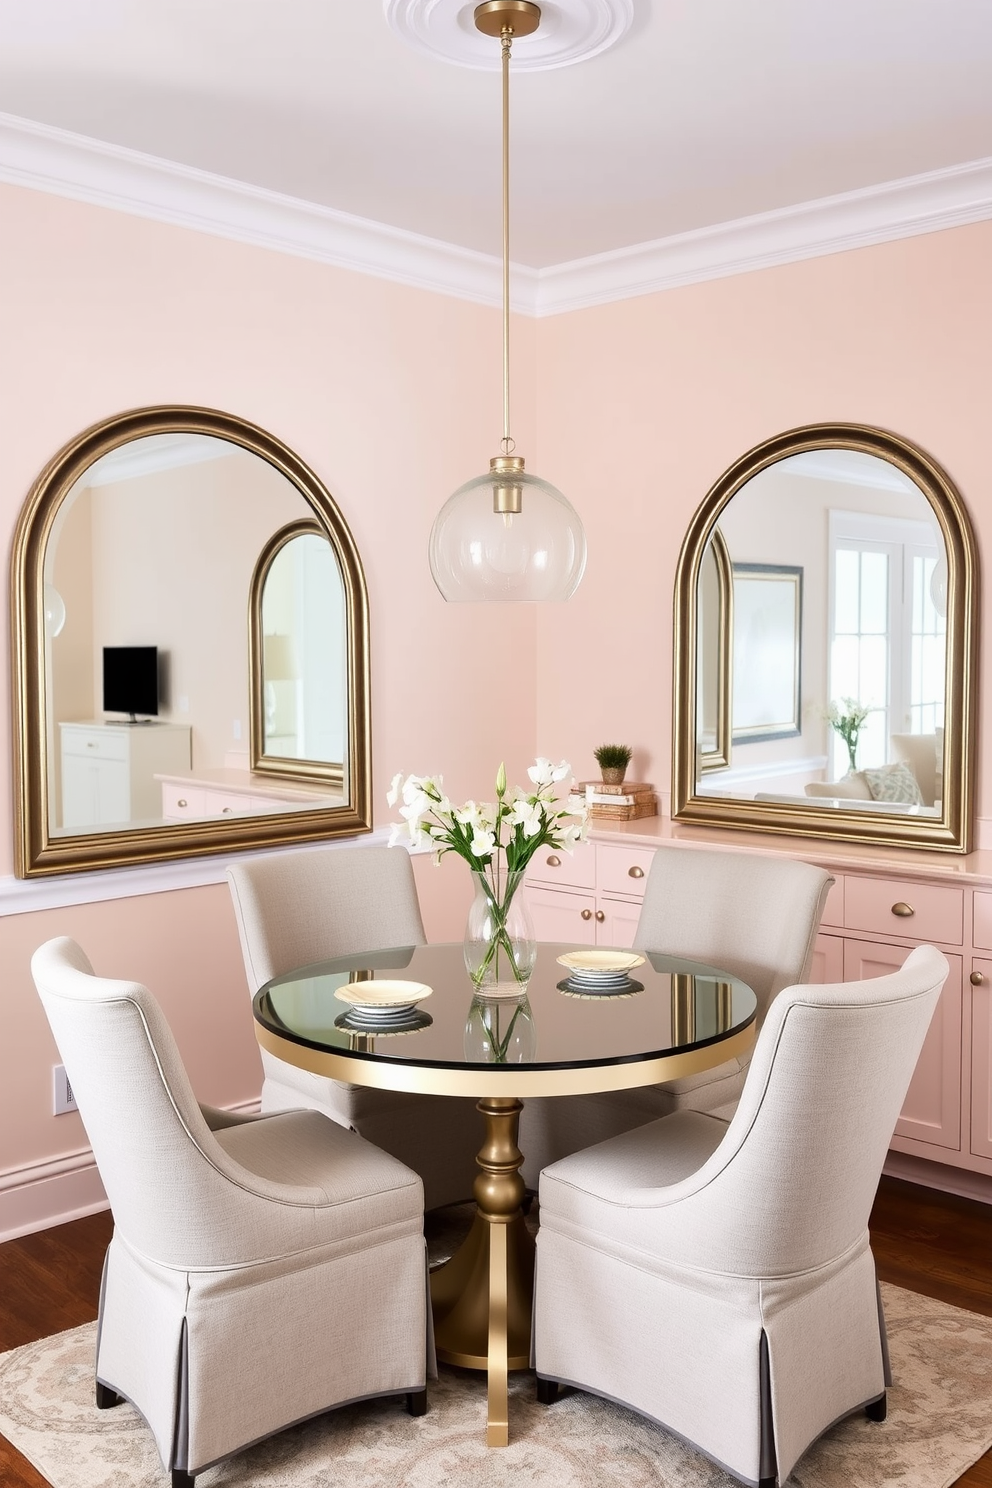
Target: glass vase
point(500, 1030)
point(500, 943)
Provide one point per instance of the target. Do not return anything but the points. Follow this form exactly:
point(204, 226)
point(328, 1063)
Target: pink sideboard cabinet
point(884, 902)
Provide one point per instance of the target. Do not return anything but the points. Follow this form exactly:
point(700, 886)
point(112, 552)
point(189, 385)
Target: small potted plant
point(613, 760)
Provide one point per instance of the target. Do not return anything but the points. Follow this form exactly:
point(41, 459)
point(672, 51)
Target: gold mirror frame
point(37, 851)
point(269, 764)
point(951, 831)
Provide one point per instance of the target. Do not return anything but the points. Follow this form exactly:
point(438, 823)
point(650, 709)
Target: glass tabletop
point(662, 1009)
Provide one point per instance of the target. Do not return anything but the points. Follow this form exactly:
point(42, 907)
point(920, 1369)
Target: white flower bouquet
point(497, 840)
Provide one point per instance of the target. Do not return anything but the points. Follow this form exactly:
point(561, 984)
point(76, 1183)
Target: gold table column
point(482, 1297)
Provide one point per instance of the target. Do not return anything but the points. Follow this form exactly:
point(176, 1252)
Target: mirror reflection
point(180, 575)
point(850, 631)
point(838, 636)
point(299, 655)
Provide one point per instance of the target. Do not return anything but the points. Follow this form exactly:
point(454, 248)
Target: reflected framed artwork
point(768, 623)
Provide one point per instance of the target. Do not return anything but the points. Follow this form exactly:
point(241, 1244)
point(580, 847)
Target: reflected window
point(887, 641)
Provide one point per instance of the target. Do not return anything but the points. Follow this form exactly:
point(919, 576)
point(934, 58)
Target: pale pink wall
point(394, 397)
point(644, 403)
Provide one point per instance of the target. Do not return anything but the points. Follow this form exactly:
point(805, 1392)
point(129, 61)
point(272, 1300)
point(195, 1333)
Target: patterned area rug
point(939, 1423)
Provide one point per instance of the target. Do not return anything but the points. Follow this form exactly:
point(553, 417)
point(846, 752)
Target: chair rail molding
point(43, 158)
point(25, 895)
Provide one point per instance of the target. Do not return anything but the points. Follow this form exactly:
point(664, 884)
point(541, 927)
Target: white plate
point(600, 965)
point(385, 999)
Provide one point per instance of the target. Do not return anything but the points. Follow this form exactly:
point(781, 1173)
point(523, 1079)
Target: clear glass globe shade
point(537, 553)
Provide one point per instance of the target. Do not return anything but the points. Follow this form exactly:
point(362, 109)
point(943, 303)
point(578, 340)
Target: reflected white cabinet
point(108, 770)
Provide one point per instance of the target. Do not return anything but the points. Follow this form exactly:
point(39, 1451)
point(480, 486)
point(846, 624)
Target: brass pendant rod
point(507, 39)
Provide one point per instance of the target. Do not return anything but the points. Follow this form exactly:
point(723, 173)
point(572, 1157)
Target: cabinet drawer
point(226, 803)
point(553, 866)
point(623, 870)
point(983, 920)
point(181, 801)
point(880, 905)
point(95, 743)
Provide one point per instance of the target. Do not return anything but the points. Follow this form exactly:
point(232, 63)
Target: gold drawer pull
point(226, 810)
point(587, 914)
point(182, 801)
point(600, 916)
point(903, 910)
point(977, 978)
point(635, 872)
point(554, 861)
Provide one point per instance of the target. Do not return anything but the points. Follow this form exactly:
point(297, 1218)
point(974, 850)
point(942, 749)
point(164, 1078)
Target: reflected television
point(130, 680)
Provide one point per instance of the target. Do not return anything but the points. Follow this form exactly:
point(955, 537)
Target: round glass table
point(663, 1020)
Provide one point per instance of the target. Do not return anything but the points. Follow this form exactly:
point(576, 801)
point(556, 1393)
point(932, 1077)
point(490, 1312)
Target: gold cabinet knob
point(977, 978)
point(635, 872)
point(182, 801)
point(554, 861)
point(903, 910)
point(587, 914)
point(600, 916)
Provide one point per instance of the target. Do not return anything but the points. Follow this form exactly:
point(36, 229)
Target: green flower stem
point(501, 1045)
point(499, 911)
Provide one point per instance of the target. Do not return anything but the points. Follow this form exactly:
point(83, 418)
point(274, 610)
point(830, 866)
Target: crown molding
point(954, 197)
point(43, 158)
point(64, 164)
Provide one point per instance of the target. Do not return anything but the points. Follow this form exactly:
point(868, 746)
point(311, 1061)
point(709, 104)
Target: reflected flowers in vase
point(497, 840)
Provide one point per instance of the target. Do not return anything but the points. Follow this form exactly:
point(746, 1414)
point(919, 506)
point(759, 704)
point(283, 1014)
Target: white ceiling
point(706, 111)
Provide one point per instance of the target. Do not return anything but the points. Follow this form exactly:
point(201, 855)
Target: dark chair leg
point(106, 1398)
point(181, 1478)
point(547, 1391)
point(768, 1483)
point(416, 1402)
point(876, 1409)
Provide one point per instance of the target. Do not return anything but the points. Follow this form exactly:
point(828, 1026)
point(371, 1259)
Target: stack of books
point(625, 802)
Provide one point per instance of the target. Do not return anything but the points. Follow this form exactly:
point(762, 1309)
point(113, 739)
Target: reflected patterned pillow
point(894, 783)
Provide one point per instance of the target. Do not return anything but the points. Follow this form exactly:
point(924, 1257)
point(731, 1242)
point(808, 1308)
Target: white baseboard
point(960, 1181)
point(39, 1195)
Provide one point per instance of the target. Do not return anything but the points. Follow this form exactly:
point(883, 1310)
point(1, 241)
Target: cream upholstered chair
point(752, 914)
point(262, 1269)
point(718, 1278)
point(298, 908)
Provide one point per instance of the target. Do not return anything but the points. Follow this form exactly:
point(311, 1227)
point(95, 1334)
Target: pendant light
point(507, 535)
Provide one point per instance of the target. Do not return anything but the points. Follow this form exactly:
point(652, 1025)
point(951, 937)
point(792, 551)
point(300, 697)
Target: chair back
point(160, 1164)
point(294, 909)
point(748, 913)
point(791, 1186)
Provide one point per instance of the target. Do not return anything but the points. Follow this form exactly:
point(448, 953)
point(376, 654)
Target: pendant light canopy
point(507, 535)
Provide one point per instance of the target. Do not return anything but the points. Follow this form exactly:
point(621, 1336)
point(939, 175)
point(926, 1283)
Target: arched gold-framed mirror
point(131, 577)
point(298, 657)
point(855, 590)
point(714, 654)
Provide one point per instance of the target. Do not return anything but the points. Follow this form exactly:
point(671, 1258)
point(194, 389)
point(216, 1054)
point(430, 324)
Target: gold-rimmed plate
point(383, 999)
point(600, 966)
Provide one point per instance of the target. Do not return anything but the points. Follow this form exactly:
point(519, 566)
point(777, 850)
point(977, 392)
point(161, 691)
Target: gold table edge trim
point(505, 1079)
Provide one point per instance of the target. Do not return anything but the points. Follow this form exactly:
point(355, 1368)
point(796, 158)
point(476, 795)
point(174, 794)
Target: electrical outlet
point(236, 728)
point(63, 1098)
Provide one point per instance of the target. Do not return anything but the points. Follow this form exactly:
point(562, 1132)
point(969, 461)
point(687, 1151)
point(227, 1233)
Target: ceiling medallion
point(570, 32)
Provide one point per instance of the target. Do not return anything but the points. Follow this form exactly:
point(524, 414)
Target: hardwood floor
point(923, 1240)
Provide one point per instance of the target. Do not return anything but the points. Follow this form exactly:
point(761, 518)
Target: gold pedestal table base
point(481, 1298)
